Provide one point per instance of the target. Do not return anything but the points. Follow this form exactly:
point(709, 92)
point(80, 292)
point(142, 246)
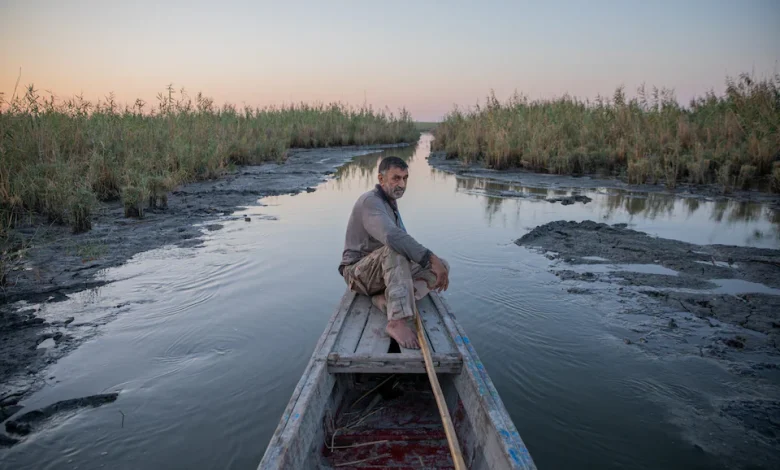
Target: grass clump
point(58, 158)
point(81, 203)
point(133, 200)
point(157, 187)
point(746, 176)
point(730, 139)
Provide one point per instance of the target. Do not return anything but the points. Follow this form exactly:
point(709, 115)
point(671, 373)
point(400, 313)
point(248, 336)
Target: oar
point(449, 429)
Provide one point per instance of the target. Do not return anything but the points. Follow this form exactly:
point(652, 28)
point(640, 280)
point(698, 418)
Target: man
point(381, 260)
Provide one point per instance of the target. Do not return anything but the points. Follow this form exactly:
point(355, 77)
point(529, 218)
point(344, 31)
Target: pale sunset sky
point(426, 56)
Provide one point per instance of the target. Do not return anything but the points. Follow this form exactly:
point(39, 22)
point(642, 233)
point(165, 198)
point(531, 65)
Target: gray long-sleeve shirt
point(375, 222)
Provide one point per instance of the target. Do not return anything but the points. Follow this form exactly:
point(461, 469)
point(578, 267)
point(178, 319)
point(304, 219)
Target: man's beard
point(397, 193)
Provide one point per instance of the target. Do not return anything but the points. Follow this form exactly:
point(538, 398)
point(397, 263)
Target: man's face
point(393, 182)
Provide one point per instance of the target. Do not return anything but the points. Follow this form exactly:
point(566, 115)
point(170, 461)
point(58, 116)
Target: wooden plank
point(497, 436)
point(289, 448)
point(374, 339)
point(391, 357)
point(379, 367)
point(331, 333)
point(383, 368)
point(392, 363)
point(353, 326)
point(438, 336)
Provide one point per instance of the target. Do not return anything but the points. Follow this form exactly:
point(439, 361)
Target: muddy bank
point(30, 421)
point(53, 263)
point(738, 285)
point(528, 179)
point(675, 299)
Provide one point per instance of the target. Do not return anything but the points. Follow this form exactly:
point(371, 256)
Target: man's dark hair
point(392, 162)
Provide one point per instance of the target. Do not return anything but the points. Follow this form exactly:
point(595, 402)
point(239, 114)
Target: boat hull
point(343, 415)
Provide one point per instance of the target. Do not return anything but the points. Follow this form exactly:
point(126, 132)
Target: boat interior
point(388, 421)
point(363, 402)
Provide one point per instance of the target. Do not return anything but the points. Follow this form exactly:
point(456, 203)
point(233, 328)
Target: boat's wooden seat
point(363, 345)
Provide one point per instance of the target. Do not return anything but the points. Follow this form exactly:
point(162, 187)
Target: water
point(206, 345)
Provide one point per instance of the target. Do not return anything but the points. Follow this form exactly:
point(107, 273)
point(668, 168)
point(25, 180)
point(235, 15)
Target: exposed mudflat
point(741, 285)
point(529, 179)
point(675, 298)
point(28, 422)
point(56, 263)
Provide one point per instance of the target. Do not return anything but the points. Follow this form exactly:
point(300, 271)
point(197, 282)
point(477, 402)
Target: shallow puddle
point(634, 268)
point(739, 286)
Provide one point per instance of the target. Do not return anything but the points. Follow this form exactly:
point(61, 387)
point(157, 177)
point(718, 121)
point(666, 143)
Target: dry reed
point(59, 158)
point(732, 139)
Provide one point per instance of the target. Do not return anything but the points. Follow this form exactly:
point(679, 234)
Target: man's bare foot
point(399, 330)
point(380, 302)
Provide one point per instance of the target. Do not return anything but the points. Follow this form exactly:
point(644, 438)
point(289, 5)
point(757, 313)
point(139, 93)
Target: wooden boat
point(364, 402)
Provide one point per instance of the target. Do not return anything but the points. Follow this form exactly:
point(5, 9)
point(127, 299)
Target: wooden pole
point(449, 429)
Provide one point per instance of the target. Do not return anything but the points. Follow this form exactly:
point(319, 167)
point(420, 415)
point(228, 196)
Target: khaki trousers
point(389, 272)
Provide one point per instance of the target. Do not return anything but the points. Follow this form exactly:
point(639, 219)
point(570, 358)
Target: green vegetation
point(732, 140)
point(58, 159)
point(90, 251)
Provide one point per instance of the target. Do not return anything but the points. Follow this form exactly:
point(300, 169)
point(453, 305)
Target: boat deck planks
point(363, 345)
point(374, 340)
point(344, 412)
point(354, 325)
point(437, 335)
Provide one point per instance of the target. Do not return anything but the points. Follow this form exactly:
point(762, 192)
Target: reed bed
point(731, 140)
point(60, 158)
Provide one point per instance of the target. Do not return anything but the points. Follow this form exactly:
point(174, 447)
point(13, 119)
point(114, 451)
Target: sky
point(424, 56)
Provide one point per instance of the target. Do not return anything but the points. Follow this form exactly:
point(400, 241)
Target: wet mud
point(720, 271)
point(32, 420)
point(674, 300)
point(50, 263)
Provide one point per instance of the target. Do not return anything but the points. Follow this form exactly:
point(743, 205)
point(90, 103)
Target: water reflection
point(363, 169)
point(744, 211)
point(645, 205)
point(757, 223)
point(692, 204)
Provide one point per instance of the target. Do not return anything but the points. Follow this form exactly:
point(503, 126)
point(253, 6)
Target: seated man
point(381, 260)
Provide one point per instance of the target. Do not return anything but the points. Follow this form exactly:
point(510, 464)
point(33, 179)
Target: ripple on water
point(471, 259)
point(203, 340)
point(182, 291)
point(633, 386)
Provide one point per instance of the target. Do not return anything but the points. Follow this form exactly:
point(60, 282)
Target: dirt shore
point(720, 272)
point(55, 263)
point(520, 177)
point(674, 299)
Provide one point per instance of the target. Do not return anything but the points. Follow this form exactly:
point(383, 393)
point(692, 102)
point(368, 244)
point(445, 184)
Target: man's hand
point(442, 276)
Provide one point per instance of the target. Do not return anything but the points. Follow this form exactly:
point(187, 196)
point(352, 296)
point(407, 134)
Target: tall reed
point(58, 158)
point(731, 139)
